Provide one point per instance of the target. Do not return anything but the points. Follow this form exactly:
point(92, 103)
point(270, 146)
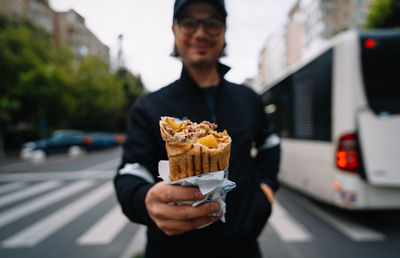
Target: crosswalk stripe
point(137, 244)
point(28, 192)
point(286, 226)
point(49, 225)
point(60, 175)
point(353, 230)
point(107, 168)
point(9, 187)
point(107, 165)
point(40, 202)
point(105, 230)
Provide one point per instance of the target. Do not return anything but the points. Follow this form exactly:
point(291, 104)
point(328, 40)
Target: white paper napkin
point(214, 186)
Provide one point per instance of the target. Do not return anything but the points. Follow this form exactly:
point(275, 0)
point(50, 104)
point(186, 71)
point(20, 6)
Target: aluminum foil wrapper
point(214, 186)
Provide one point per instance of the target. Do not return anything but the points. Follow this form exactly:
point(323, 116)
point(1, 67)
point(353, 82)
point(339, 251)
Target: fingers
point(184, 212)
point(174, 193)
point(174, 227)
point(268, 192)
point(176, 219)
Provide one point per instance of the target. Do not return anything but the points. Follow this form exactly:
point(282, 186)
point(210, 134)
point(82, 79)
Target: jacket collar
point(187, 81)
point(198, 101)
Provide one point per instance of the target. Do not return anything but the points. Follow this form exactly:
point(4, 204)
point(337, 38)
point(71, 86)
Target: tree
point(43, 88)
point(99, 95)
point(384, 14)
point(23, 50)
point(32, 77)
point(133, 88)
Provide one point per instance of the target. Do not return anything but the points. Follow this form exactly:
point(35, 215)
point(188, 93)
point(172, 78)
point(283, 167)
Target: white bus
point(338, 115)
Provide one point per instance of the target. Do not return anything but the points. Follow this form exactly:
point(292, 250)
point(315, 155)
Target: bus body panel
point(348, 95)
point(357, 194)
point(381, 197)
point(309, 168)
point(380, 144)
point(309, 165)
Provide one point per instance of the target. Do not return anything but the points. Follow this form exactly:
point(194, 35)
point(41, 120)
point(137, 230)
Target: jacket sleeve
point(268, 149)
point(136, 174)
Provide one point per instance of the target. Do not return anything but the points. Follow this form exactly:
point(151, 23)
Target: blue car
point(71, 142)
point(98, 140)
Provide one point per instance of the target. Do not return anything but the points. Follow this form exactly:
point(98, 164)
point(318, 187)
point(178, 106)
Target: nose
point(200, 31)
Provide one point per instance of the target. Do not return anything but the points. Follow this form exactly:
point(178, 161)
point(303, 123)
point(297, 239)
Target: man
point(200, 94)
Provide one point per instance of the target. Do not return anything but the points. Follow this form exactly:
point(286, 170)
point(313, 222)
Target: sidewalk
point(9, 158)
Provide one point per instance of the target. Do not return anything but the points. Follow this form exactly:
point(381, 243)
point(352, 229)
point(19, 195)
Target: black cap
point(219, 4)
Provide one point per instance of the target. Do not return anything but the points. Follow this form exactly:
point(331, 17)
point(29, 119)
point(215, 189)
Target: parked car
point(98, 140)
point(71, 142)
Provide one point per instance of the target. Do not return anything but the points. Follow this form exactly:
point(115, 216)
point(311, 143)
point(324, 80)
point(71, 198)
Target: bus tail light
point(346, 154)
point(370, 43)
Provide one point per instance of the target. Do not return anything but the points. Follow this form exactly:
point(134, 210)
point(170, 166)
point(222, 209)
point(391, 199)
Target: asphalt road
point(304, 228)
point(66, 207)
point(63, 207)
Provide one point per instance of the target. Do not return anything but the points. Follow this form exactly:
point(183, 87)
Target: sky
point(148, 39)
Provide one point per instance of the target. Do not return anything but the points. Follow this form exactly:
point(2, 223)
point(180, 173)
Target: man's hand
point(177, 219)
point(268, 192)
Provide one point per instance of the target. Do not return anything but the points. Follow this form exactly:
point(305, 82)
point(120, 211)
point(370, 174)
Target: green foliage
point(42, 86)
point(23, 57)
point(384, 14)
point(139, 255)
point(7, 106)
point(98, 93)
point(133, 88)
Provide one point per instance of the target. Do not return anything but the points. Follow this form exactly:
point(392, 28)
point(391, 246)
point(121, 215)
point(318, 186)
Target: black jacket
point(238, 110)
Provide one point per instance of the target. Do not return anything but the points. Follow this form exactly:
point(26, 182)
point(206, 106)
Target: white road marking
point(60, 175)
point(351, 229)
point(286, 226)
point(50, 224)
point(137, 244)
point(10, 187)
point(106, 229)
point(110, 164)
point(40, 202)
point(101, 171)
point(28, 192)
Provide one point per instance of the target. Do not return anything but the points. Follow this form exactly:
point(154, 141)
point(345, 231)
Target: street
point(303, 228)
point(63, 207)
point(66, 207)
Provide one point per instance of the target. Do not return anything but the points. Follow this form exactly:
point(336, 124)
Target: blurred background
point(66, 64)
point(71, 70)
point(57, 74)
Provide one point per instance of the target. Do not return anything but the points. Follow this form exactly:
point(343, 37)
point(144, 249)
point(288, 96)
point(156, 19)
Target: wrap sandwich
point(194, 149)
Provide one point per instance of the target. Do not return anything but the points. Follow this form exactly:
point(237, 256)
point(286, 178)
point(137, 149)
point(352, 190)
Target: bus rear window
point(380, 57)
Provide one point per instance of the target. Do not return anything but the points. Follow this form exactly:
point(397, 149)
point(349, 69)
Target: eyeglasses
point(212, 26)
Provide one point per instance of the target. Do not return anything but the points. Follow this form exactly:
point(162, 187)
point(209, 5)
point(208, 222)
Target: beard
point(175, 53)
point(202, 62)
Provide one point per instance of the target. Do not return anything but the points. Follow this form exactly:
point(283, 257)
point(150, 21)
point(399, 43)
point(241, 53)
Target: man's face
point(199, 48)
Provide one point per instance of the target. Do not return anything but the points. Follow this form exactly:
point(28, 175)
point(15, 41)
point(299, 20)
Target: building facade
point(310, 24)
point(273, 58)
point(38, 12)
point(67, 28)
point(70, 29)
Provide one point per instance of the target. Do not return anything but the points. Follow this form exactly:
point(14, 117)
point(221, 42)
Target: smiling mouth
point(201, 47)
